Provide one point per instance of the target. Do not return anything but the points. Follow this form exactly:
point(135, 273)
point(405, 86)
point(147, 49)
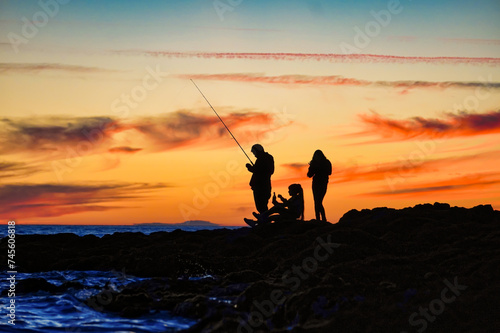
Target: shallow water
point(66, 311)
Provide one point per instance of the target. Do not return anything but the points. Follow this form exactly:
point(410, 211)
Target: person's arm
point(282, 199)
point(310, 171)
point(271, 165)
point(275, 202)
point(256, 167)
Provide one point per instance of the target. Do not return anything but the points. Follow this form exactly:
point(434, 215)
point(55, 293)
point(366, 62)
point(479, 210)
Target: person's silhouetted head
point(318, 156)
point(295, 189)
point(257, 150)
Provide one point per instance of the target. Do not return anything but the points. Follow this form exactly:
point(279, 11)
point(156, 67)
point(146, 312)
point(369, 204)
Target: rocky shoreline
point(432, 268)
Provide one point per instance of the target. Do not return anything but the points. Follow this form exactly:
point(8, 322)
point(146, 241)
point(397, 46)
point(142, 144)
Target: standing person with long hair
point(320, 169)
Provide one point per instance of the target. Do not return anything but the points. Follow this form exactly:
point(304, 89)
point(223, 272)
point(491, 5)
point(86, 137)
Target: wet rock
point(33, 285)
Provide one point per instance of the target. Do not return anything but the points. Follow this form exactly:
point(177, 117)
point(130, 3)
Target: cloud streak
point(335, 80)
point(327, 57)
point(50, 200)
point(182, 128)
point(126, 150)
point(35, 68)
point(16, 169)
point(476, 182)
point(453, 125)
point(50, 134)
point(390, 172)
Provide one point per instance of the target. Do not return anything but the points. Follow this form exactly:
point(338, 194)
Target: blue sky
point(254, 26)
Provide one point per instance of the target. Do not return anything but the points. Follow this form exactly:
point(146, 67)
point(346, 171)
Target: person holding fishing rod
point(261, 177)
point(261, 170)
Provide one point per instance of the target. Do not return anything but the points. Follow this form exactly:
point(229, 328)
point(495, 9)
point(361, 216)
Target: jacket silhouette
point(260, 182)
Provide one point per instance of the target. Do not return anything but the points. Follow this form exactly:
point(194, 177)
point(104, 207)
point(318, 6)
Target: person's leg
point(321, 197)
point(278, 214)
point(319, 192)
point(261, 198)
point(317, 204)
point(271, 215)
point(260, 201)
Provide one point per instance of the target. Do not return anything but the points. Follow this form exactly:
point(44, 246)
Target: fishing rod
point(222, 121)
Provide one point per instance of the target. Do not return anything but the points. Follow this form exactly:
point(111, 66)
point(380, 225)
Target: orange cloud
point(183, 128)
point(390, 171)
point(476, 182)
point(296, 173)
point(17, 169)
point(51, 134)
point(454, 125)
point(55, 136)
point(46, 200)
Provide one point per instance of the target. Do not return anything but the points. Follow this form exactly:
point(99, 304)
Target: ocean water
point(98, 230)
point(66, 311)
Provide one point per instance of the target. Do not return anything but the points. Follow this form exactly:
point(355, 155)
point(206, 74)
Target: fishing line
point(222, 121)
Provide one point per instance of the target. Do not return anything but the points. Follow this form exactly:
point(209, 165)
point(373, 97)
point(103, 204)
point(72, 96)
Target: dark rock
point(243, 276)
point(195, 307)
point(33, 285)
point(386, 264)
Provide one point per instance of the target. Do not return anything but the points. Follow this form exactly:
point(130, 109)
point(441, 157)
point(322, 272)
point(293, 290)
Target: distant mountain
point(192, 223)
point(198, 223)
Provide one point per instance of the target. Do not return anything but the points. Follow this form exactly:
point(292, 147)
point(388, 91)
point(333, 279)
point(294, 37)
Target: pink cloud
point(45, 200)
point(331, 57)
point(454, 125)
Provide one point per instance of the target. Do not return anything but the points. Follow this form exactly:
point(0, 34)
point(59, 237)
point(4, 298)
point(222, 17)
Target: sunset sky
point(100, 123)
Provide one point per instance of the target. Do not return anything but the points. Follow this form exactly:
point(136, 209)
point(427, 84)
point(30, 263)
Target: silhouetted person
point(287, 209)
point(320, 169)
point(261, 177)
